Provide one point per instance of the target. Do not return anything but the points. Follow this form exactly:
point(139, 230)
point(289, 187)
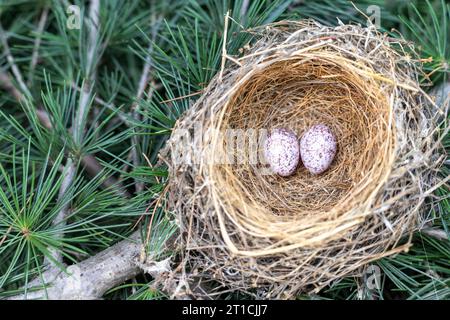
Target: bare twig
point(224, 45)
point(93, 168)
point(44, 119)
point(5, 235)
point(183, 97)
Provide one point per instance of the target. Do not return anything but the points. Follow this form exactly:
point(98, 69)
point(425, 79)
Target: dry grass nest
point(274, 237)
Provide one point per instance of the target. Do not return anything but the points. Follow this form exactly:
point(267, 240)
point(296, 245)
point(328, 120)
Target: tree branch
point(90, 163)
point(69, 176)
point(91, 278)
point(93, 167)
point(85, 96)
point(78, 127)
point(438, 234)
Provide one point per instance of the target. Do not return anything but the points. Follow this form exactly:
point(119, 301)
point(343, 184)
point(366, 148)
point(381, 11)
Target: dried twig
point(121, 115)
point(2, 240)
point(224, 46)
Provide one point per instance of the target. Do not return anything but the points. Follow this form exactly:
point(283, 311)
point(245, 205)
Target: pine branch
point(91, 278)
point(78, 126)
point(121, 115)
point(7, 85)
point(10, 58)
point(83, 108)
point(90, 163)
point(69, 172)
point(143, 83)
point(37, 43)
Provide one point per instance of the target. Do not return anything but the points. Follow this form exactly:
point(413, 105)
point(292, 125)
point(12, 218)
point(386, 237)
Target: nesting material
point(275, 237)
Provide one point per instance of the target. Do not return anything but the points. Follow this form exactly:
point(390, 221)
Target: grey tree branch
point(91, 278)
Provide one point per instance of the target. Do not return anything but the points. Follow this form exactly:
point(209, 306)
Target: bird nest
point(245, 229)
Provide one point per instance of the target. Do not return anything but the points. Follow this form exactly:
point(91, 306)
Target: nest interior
point(270, 236)
point(297, 94)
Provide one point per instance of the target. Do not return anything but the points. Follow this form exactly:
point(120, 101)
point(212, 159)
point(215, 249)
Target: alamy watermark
point(374, 15)
point(371, 282)
point(73, 18)
point(221, 147)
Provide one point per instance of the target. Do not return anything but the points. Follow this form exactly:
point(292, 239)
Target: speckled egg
point(282, 151)
point(318, 148)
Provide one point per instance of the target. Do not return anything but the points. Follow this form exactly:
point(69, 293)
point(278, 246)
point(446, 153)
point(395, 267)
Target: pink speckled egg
point(282, 151)
point(318, 148)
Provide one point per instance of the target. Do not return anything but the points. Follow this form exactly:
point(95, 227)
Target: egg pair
point(317, 149)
